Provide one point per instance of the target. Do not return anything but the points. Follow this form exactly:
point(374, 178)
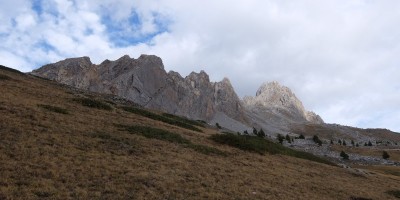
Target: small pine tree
point(365, 144)
point(332, 142)
point(261, 133)
point(280, 138)
point(344, 143)
point(302, 136)
point(344, 155)
point(217, 125)
point(357, 145)
point(352, 142)
point(245, 132)
point(317, 140)
point(340, 142)
point(255, 131)
point(369, 143)
point(385, 155)
point(288, 139)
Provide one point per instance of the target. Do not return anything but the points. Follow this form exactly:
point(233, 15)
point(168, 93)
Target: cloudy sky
point(340, 57)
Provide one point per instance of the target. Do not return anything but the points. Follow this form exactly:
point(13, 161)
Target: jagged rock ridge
point(145, 82)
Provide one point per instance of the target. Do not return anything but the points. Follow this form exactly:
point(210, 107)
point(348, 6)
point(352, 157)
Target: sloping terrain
point(57, 142)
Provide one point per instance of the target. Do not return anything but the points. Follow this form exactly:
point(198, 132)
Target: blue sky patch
point(127, 32)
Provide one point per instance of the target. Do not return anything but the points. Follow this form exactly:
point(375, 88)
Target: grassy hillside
point(60, 143)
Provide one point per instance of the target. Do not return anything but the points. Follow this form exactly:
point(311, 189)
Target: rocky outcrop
point(276, 109)
point(280, 100)
point(145, 82)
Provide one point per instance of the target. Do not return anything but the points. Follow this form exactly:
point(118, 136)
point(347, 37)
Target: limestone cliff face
point(280, 100)
point(145, 82)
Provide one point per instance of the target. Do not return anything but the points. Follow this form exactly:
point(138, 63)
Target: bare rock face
point(282, 101)
point(76, 72)
point(276, 109)
point(145, 82)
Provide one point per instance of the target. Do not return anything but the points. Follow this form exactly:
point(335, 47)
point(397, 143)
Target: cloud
point(339, 57)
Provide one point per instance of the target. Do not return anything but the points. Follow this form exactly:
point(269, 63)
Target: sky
point(340, 57)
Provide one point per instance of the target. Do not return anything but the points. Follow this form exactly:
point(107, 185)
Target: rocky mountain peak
point(150, 61)
point(274, 94)
point(280, 99)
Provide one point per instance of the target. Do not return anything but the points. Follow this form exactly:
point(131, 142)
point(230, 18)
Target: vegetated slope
point(61, 143)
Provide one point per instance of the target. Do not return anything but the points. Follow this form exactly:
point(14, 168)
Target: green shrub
point(263, 146)
point(261, 133)
point(317, 140)
point(344, 155)
point(280, 138)
point(218, 126)
point(161, 118)
point(54, 109)
point(288, 139)
point(185, 120)
point(165, 135)
point(395, 193)
point(92, 103)
point(385, 155)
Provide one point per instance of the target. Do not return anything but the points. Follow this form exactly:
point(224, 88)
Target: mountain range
point(145, 81)
point(274, 108)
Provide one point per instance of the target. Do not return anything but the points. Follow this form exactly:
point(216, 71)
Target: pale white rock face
point(280, 100)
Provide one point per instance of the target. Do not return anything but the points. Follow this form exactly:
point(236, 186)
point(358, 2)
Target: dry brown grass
point(83, 155)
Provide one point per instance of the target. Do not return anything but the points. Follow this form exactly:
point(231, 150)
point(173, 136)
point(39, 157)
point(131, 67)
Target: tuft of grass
point(54, 109)
point(92, 103)
point(395, 193)
point(183, 119)
point(162, 118)
point(263, 146)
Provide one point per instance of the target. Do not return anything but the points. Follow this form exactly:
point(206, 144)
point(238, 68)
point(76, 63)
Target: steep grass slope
point(55, 144)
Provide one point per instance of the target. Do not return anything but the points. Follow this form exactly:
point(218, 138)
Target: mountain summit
point(280, 100)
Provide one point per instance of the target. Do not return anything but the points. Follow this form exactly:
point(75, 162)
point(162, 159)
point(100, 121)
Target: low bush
point(263, 146)
point(385, 155)
point(218, 126)
point(160, 134)
point(54, 109)
point(344, 155)
point(92, 103)
point(317, 140)
point(395, 193)
point(184, 120)
point(164, 119)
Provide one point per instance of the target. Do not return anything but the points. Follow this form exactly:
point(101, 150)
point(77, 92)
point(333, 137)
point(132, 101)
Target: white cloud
point(339, 57)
